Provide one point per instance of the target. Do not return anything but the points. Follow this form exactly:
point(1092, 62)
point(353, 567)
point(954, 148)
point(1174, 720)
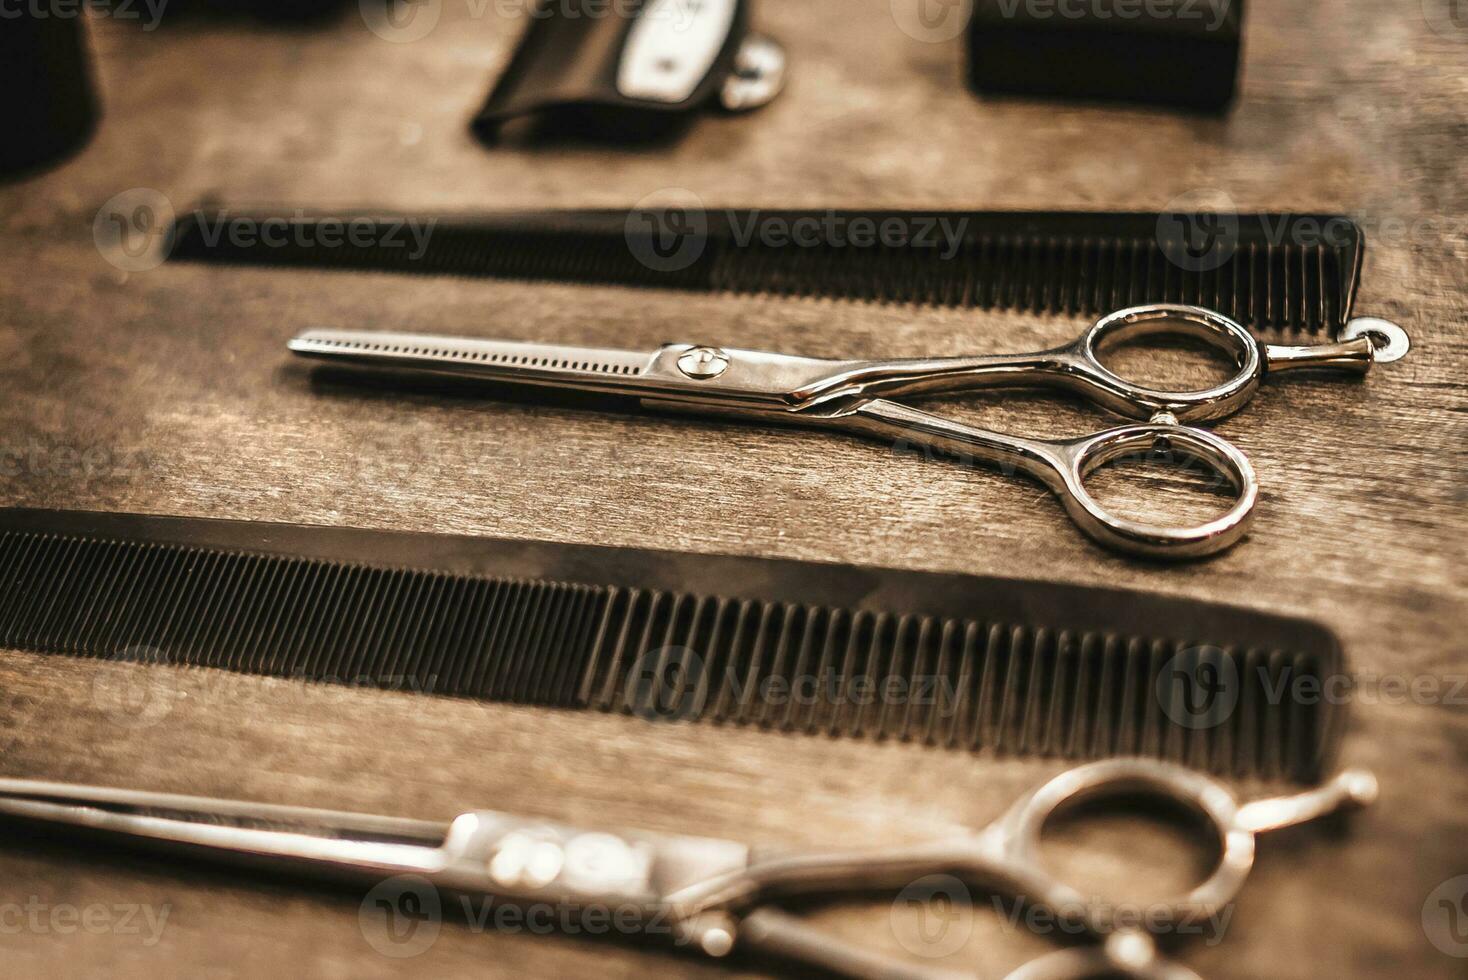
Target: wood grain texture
point(168, 391)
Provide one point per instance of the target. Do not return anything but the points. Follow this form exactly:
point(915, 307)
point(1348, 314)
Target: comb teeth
point(1292, 273)
point(790, 667)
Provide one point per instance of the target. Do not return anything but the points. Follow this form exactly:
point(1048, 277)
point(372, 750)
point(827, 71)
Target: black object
point(1281, 272)
point(48, 108)
point(1018, 667)
point(633, 68)
point(1180, 53)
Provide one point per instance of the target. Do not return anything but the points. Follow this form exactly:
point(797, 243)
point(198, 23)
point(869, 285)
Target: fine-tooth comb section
point(498, 639)
point(1280, 272)
point(813, 668)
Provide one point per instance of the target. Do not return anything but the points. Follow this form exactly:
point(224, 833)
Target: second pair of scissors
point(855, 396)
point(717, 896)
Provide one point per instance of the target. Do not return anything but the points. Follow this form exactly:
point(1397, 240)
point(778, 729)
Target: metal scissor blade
point(294, 838)
point(680, 377)
point(585, 368)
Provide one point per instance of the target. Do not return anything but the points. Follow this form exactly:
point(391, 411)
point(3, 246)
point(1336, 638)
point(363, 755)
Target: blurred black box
point(47, 105)
point(1179, 53)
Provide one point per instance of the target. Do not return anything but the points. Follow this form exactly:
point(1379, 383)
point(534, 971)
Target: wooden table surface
point(167, 390)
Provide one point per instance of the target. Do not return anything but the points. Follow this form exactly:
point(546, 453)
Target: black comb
point(1272, 272)
point(1006, 665)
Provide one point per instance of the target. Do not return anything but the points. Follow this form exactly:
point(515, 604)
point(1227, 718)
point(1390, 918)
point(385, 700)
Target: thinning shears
point(714, 896)
point(855, 396)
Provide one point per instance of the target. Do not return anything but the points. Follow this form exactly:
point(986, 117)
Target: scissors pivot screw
point(1131, 950)
point(703, 362)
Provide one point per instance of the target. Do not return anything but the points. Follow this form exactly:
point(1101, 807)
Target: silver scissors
point(714, 896)
point(855, 397)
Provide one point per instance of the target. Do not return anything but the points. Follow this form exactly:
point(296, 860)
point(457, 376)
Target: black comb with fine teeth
point(1291, 273)
point(960, 662)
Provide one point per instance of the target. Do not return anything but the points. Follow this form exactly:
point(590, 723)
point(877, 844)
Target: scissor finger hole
point(1161, 483)
point(1171, 537)
point(1161, 488)
point(1130, 850)
point(1185, 351)
point(1168, 361)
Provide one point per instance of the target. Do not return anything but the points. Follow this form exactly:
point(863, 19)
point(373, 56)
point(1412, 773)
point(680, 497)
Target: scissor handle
point(1141, 401)
point(1063, 467)
point(1081, 457)
point(1006, 857)
point(1235, 825)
